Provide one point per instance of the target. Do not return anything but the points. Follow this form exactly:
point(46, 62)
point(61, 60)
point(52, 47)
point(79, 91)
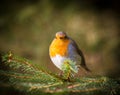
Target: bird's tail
point(83, 63)
point(86, 68)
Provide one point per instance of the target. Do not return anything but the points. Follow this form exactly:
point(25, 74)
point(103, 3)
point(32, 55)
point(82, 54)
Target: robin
point(63, 48)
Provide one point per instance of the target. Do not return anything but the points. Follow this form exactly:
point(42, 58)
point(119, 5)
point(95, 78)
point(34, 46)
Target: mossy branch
point(22, 75)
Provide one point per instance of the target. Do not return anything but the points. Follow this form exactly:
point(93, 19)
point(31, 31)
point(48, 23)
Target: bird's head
point(61, 35)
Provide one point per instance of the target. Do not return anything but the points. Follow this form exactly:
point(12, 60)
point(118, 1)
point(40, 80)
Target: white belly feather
point(58, 61)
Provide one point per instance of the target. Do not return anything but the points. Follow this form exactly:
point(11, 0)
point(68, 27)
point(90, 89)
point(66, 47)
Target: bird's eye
point(65, 37)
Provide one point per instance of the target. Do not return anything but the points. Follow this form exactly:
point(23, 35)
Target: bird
point(64, 47)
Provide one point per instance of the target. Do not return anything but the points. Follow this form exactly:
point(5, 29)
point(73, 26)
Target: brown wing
point(83, 63)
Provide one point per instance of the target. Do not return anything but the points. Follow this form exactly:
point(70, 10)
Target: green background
point(27, 28)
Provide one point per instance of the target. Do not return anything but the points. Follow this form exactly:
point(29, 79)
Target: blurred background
point(27, 28)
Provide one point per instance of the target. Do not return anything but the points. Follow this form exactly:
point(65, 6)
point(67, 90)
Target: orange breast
point(59, 46)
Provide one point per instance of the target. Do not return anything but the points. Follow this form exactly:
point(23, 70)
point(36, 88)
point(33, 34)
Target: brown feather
point(83, 63)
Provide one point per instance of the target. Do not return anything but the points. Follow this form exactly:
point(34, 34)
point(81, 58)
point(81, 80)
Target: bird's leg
point(68, 79)
point(61, 73)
